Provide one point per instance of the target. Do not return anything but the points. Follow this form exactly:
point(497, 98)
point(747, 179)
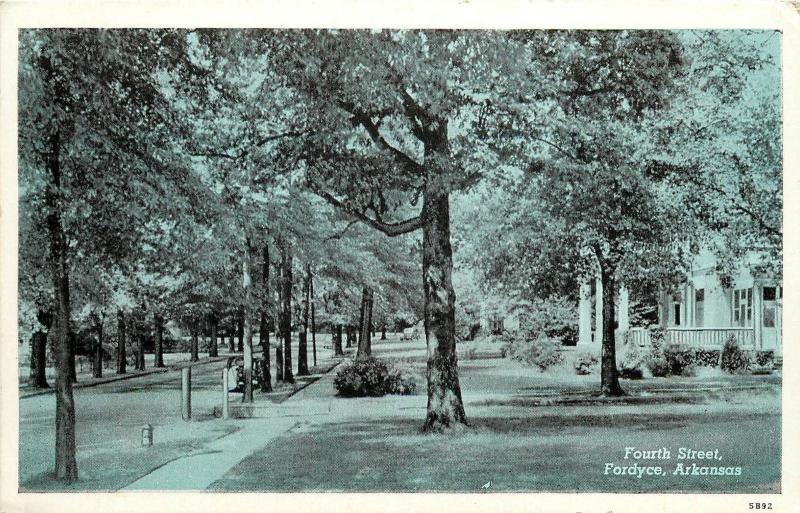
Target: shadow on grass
point(547, 453)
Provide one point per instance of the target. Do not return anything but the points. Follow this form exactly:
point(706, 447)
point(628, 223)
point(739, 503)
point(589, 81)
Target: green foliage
point(764, 358)
point(680, 360)
point(585, 363)
point(633, 361)
point(733, 359)
point(657, 362)
point(706, 357)
point(541, 351)
point(371, 377)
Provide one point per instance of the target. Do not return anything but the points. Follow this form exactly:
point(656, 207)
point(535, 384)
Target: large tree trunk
point(337, 341)
point(194, 350)
point(38, 374)
point(365, 337)
point(383, 331)
point(66, 467)
point(246, 325)
point(351, 336)
point(313, 317)
point(286, 295)
point(121, 356)
point(240, 328)
point(231, 336)
point(213, 350)
point(445, 406)
point(73, 343)
point(97, 367)
point(361, 309)
point(140, 332)
point(158, 339)
point(302, 348)
point(609, 375)
point(264, 327)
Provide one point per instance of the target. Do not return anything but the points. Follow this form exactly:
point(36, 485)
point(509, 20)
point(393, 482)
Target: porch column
point(663, 311)
point(585, 313)
point(690, 320)
point(598, 311)
point(623, 319)
point(758, 312)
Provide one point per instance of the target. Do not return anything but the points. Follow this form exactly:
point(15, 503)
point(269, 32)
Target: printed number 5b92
point(760, 505)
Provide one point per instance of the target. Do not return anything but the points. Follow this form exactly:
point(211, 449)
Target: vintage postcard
point(467, 255)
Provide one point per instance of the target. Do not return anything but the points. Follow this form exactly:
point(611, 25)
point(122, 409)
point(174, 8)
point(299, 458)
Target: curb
point(135, 374)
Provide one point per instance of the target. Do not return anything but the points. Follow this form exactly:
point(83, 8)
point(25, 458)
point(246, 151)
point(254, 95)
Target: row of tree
point(153, 163)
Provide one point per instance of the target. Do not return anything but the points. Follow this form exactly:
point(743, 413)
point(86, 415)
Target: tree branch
point(365, 120)
point(390, 229)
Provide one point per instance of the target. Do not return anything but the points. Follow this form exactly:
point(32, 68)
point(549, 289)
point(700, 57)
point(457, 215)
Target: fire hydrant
point(147, 435)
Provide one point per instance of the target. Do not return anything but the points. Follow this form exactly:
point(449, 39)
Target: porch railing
point(711, 338)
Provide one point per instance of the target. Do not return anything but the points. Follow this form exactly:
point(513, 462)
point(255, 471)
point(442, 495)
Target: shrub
point(656, 361)
point(541, 351)
point(765, 358)
point(585, 363)
point(633, 361)
point(400, 384)
point(555, 317)
point(706, 357)
point(371, 377)
point(732, 358)
point(658, 366)
point(680, 360)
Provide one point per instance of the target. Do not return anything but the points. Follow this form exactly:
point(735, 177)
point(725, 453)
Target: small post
point(225, 411)
point(186, 393)
point(147, 435)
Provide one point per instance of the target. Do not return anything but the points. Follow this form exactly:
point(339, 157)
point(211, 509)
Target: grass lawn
point(517, 446)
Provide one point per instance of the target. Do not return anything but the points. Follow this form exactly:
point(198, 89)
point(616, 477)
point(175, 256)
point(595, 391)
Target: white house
point(703, 313)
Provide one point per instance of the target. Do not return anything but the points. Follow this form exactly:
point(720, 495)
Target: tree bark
point(313, 318)
point(383, 331)
point(240, 328)
point(158, 339)
point(38, 375)
point(231, 336)
point(609, 375)
point(141, 335)
point(302, 354)
point(351, 336)
point(97, 368)
point(263, 329)
point(445, 406)
point(361, 309)
point(337, 341)
point(66, 467)
point(365, 338)
point(246, 325)
point(195, 346)
point(213, 350)
point(38, 370)
point(121, 356)
point(73, 343)
point(302, 347)
point(286, 294)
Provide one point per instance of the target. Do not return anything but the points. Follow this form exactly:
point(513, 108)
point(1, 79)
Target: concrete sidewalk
point(198, 470)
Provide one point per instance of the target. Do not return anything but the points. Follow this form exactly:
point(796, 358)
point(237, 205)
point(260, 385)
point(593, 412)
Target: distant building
point(703, 313)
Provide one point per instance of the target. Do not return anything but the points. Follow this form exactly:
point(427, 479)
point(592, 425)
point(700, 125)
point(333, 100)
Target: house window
point(769, 295)
point(699, 307)
point(677, 313)
point(743, 307)
point(496, 324)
